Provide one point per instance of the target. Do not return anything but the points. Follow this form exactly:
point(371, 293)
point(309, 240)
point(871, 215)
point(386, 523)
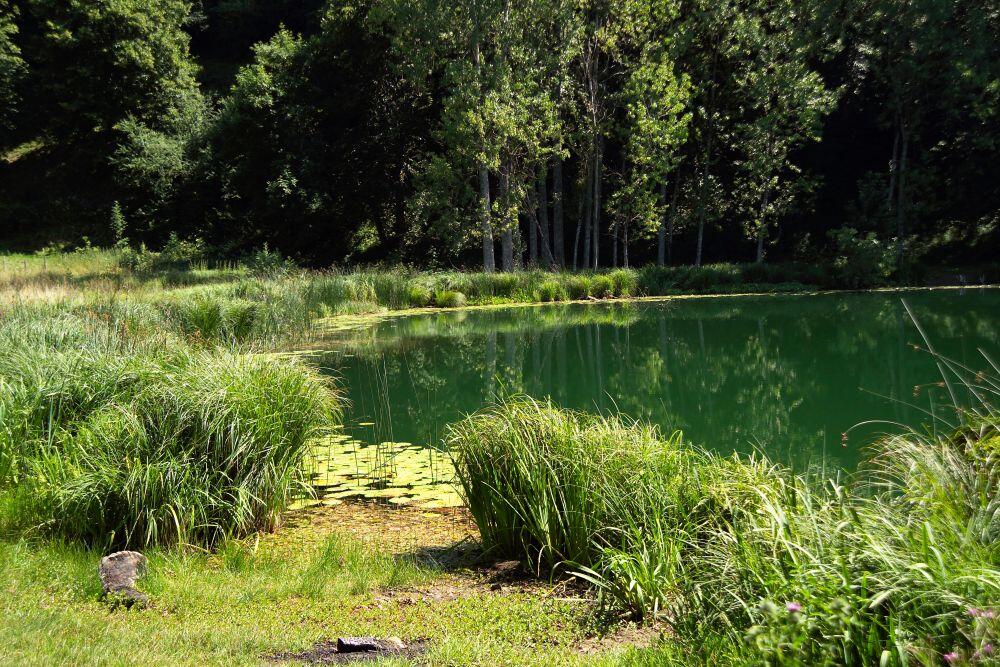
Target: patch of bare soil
point(396, 529)
point(623, 637)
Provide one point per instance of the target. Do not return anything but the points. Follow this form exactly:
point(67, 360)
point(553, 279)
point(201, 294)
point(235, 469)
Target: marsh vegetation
point(228, 420)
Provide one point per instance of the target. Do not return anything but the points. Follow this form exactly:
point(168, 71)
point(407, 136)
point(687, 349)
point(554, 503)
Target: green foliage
point(551, 290)
point(267, 263)
point(449, 299)
point(785, 569)
point(861, 260)
point(99, 63)
point(118, 440)
point(12, 69)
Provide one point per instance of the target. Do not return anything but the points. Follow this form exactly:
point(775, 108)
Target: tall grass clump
point(131, 442)
point(898, 566)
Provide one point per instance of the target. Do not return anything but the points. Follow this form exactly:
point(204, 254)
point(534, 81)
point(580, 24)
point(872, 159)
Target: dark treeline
point(503, 132)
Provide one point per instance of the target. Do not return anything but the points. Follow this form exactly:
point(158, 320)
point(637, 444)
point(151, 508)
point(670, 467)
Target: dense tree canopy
point(576, 134)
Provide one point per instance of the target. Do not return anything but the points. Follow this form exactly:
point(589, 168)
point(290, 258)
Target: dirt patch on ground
point(327, 653)
point(623, 637)
point(396, 529)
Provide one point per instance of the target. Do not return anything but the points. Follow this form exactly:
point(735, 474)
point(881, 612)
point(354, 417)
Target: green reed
point(899, 566)
point(125, 439)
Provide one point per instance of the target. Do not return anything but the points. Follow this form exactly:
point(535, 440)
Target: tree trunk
point(673, 218)
point(588, 211)
point(709, 137)
point(614, 246)
point(489, 262)
point(762, 229)
point(532, 235)
point(557, 214)
point(598, 160)
point(507, 235)
point(507, 248)
point(661, 245)
point(893, 165)
point(543, 219)
point(625, 245)
point(579, 228)
point(901, 198)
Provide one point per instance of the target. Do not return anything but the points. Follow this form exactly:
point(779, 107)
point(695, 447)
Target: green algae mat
point(341, 467)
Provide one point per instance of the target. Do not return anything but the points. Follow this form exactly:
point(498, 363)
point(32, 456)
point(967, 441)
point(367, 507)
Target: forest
point(495, 134)
point(500, 332)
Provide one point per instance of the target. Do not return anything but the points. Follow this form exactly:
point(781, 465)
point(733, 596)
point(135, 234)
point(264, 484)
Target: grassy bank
point(269, 302)
point(118, 438)
point(746, 561)
point(282, 593)
point(272, 302)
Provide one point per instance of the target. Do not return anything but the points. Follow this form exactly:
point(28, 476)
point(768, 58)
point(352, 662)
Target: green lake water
point(788, 375)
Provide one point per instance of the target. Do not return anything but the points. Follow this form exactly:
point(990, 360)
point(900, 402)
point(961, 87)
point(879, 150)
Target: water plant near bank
point(114, 438)
point(743, 558)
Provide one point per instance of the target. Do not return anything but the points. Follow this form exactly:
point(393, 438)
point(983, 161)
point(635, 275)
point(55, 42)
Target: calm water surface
point(784, 374)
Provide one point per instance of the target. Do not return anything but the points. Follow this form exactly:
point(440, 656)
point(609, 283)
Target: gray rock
point(119, 573)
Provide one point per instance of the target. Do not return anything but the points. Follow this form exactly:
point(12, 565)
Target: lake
point(786, 375)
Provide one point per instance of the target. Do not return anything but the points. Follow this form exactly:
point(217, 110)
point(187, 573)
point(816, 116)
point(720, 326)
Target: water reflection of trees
point(783, 374)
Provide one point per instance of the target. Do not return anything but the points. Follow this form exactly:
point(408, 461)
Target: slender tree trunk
point(489, 263)
point(486, 228)
point(710, 136)
point(701, 215)
point(507, 235)
point(579, 228)
point(557, 214)
point(598, 160)
point(901, 199)
point(543, 219)
point(762, 228)
point(661, 245)
point(614, 246)
point(893, 165)
point(625, 245)
point(672, 219)
point(588, 211)
point(760, 244)
point(533, 235)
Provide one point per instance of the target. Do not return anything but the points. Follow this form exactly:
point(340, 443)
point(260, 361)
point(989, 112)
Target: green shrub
point(391, 290)
point(120, 441)
point(624, 282)
point(782, 569)
point(550, 290)
point(578, 287)
point(181, 253)
point(449, 299)
point(861, 261)
point(267, 263)
point(657, 280)
point(602, 286)
point(419, 296)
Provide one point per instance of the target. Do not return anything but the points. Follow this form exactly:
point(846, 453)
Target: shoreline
point(349, 322)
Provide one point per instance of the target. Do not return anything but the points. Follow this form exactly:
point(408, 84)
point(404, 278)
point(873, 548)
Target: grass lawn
point(353, 569)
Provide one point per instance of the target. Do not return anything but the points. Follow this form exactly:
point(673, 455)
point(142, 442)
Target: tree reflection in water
point(786, 374)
